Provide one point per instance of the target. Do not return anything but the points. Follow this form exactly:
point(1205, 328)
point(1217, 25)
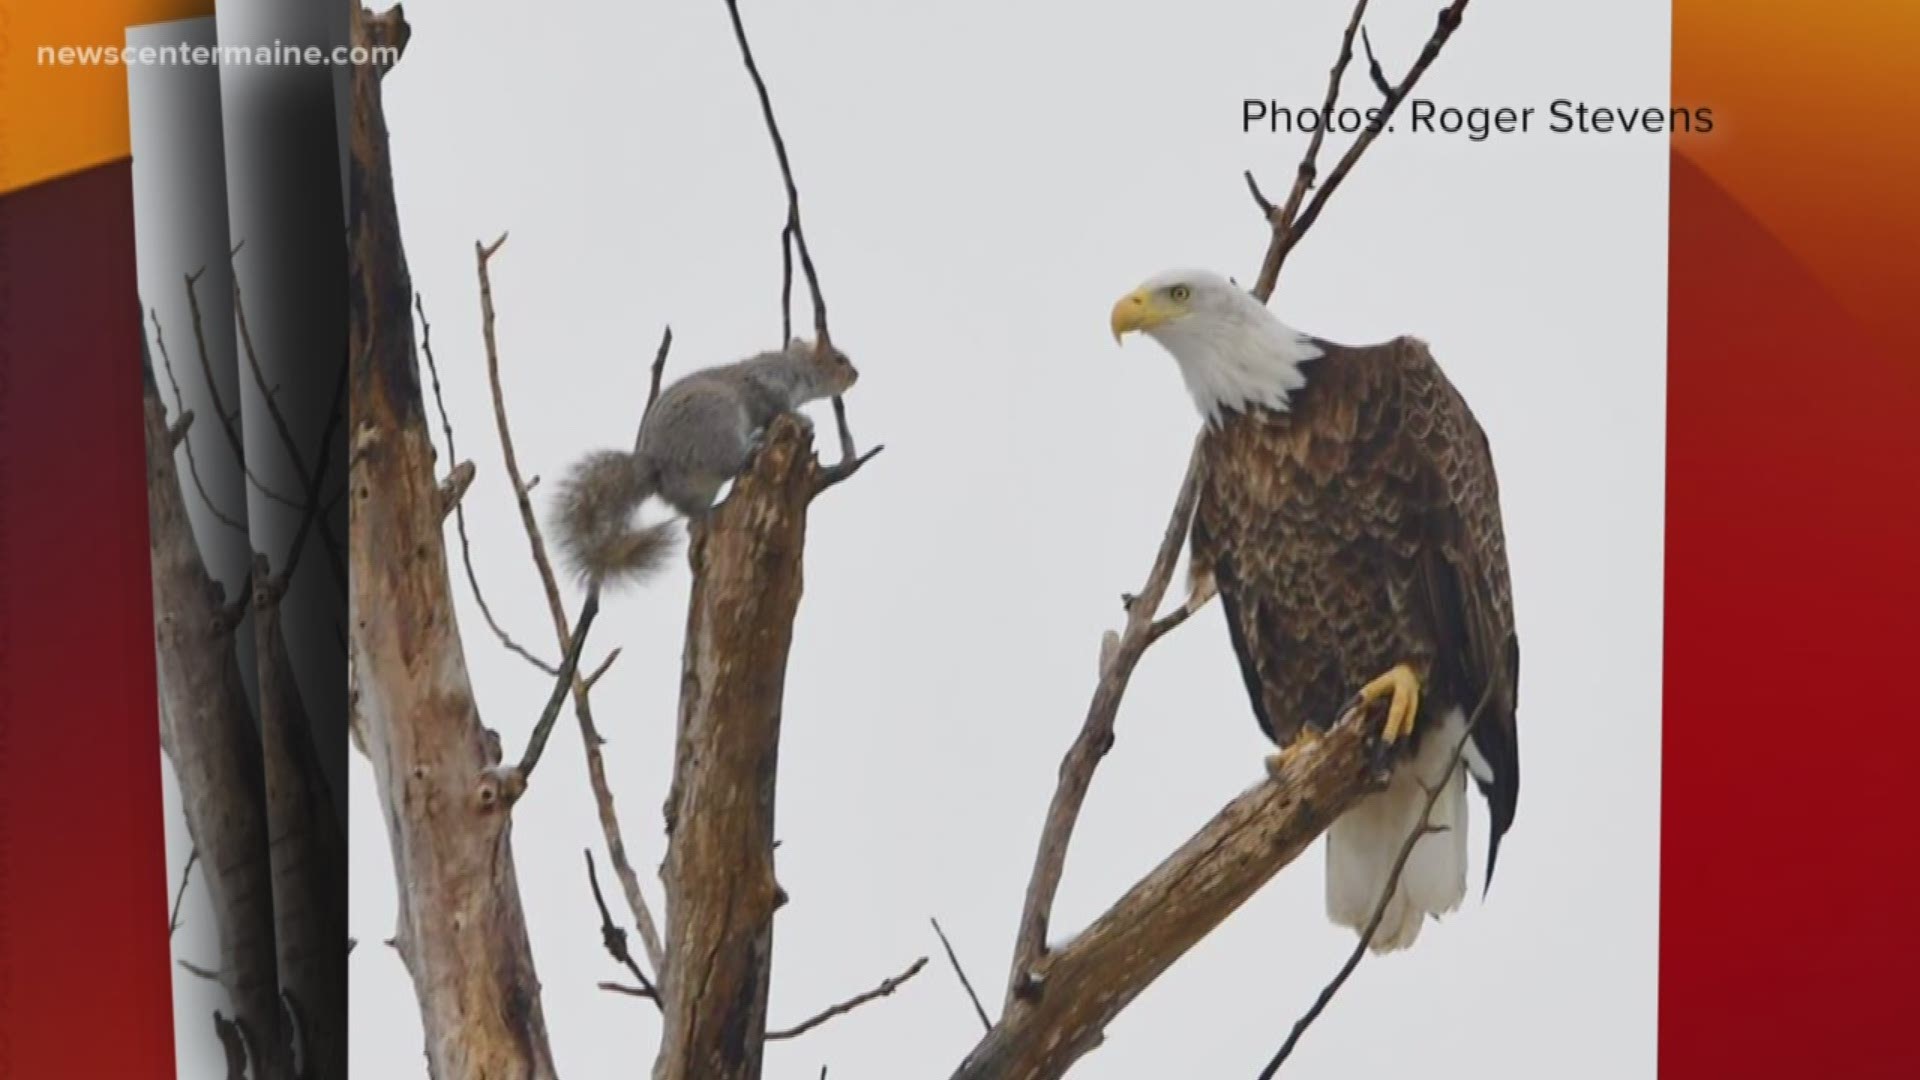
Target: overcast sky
point(980, 182)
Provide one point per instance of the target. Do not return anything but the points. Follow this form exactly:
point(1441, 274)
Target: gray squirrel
point(696, 437)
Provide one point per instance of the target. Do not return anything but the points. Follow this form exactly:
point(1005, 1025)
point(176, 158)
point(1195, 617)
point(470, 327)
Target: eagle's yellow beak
point(1138, 310)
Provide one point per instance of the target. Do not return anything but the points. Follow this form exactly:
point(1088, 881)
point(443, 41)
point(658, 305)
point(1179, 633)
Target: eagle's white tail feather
point(1364, 842)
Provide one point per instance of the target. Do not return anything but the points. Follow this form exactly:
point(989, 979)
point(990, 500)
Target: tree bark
point(721, 892)
point(1076, 990)
point(309, 852)
point(207, 730)
point(462, 933)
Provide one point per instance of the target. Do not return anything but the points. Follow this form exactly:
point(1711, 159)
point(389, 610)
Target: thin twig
point(459, 511)
point(311, 480)
point(196, 970)
point(615, 940)
point(1096, 735)
point(822, 340)
point(1194, 602)
point(883, 990)
point(659, 366)
point(562, 683)
point(786, 279)
point(1374, 71)
point(793, 228)
point(316, 509)
point(602, 669)
point(183, 414)
point(582, 705)
point(630, 991)
point(1285, 237)
point(1259, 197)
point(1304, 177)
point(842, 469)
point(1419, 832)
point(965, 983)
point(219, 407)
point(180, 894)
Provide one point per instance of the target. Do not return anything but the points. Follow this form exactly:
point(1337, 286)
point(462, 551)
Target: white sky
point(980, 182)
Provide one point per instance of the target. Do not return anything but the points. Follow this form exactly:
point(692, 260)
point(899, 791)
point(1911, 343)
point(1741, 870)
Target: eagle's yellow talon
point(1404, 686)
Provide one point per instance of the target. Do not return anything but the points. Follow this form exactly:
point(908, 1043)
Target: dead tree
point(445, 792)
point(207, 731)
point(721, 892)
point(462, 933)
point(1059, 1001)
point(306, 847)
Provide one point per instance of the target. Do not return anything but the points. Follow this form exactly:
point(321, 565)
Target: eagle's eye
point(1180, 293)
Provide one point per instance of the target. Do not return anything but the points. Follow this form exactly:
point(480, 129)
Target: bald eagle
point(1350, 520)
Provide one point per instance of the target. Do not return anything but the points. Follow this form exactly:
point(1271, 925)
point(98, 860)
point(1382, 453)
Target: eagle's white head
point(1232, 352)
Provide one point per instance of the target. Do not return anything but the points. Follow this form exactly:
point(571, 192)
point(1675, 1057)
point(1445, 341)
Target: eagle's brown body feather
point(1357, 530)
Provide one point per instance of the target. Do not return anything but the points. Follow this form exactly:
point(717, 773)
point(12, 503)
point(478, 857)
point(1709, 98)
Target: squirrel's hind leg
point(691, 494)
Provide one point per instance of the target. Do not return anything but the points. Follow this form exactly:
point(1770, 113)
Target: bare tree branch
point(1359, 951)
point(1096, 736)
point(459, 512)
point(793, 230)
point(176, 434)
point(1288, 229)
point(1075, 991)
point(961, 973)
point(198, 971)
point(645, 992)
point(590, 739)
point(615, 939)
point(509, 784)
point(1282, 222)
point(180, 894)
point(602, 669)
point(885, 989)
point(461, 929)
point(219, 408)
point(316, 508)
point(454, 488)
point(1374, 72)
point(207, 729)
point(786, 278)
point(311, 479)
point(659, 366)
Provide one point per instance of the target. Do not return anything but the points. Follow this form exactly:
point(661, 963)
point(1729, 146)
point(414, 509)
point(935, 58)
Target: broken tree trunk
point(462, 932)
point(721, 892)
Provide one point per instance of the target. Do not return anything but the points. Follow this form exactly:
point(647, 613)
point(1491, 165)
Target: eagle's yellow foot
point(1277, 762)
point(1404, 686)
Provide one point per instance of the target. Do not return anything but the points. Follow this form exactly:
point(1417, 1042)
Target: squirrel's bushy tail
point(594, 526)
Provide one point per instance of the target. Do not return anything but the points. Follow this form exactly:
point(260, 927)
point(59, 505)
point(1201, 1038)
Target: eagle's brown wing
point(1464, 573)
point(1295, 514)
point(1359, 530)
